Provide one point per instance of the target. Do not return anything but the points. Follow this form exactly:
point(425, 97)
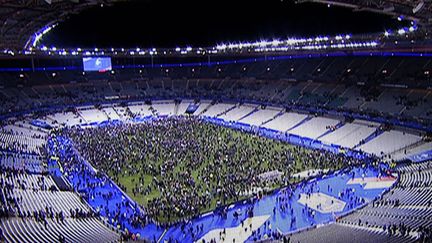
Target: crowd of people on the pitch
point(184, 166)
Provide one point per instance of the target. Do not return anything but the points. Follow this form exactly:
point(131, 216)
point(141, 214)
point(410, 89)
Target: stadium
point(183, 132)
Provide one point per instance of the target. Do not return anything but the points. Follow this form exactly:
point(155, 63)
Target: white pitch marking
point(322, 203)
point(237, 233)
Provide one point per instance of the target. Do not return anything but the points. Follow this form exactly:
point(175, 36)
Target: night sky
point(202, 23)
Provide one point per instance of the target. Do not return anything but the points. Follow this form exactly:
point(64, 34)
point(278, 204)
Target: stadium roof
point(416, 10)
point(22, 22)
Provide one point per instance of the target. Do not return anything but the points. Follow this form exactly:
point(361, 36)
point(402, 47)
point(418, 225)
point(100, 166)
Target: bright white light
point(221, 47)
point(41, 33)
point(401, 32)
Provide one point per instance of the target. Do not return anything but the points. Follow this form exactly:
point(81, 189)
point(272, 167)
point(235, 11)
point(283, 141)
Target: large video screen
point(99, 64)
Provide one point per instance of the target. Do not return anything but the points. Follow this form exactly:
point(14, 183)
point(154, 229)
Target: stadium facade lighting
point(341, 41)
point(40, 34)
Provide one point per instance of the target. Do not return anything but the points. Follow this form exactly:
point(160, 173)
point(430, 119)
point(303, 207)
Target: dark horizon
point(166, 24)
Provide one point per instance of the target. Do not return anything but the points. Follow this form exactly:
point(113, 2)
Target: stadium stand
point(261, 116)
point(341, 233)
point(349, 120)
point(217, 109)
point(238, 112)
point(405, 210)
point(314, 127)
point(286, 121)
point(350, 134)
point(389, 142)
